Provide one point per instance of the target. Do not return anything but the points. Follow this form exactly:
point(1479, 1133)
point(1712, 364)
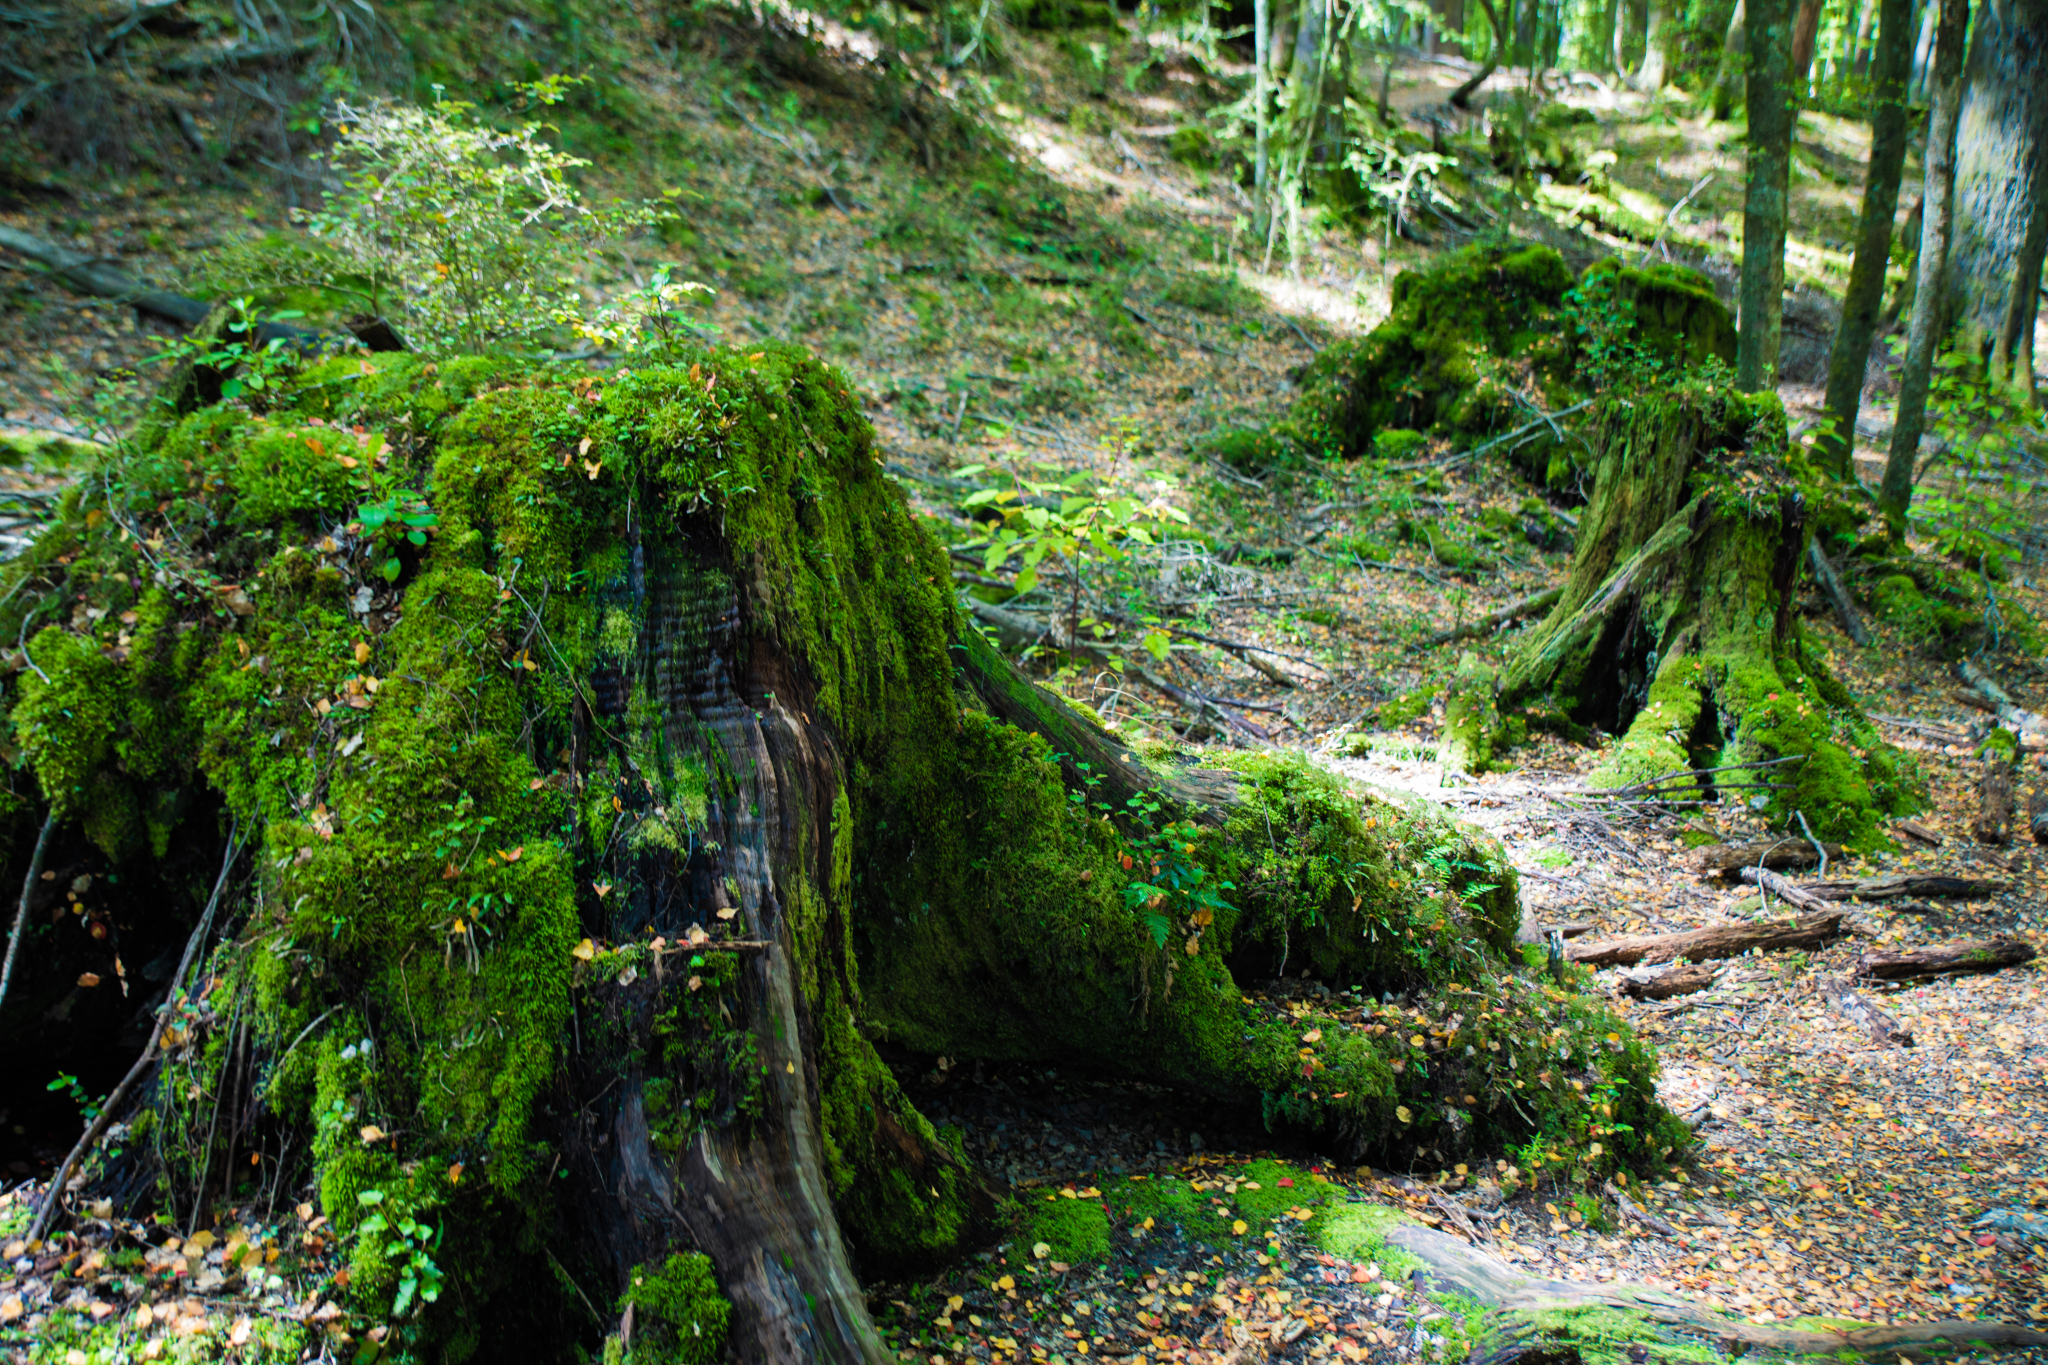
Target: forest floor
point(1836, 1177)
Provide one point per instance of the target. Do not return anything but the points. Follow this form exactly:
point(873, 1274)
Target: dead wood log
point(1727, 860)
point(1969, 955)
point(1713, 941)
point(1487, 625)
point(1898, 884)
point(1837, 595)
point(1852, 1006)
point(1483, 1276)
point(1688, 979)
point(2037, 815)
point(2021, 722)
point(1790, 892)
point(1926, 834)
point(1993, 824)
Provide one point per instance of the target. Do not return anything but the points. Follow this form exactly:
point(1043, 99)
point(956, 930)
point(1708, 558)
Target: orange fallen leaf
point(88, 979)
point(584, 951)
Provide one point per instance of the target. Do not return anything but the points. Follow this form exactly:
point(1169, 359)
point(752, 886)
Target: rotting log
point(1970, 955)
point(1792, 893)
point(1848, 1002)
point(1893, 885)
point(2037, 814)
point(1711, 942)
point(1455, 1266)
point(1728, 860)
point(1687, 979)
point(664, 660)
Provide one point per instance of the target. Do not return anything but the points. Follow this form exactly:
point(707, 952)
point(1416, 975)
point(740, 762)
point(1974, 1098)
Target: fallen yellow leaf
point(1314, 1035)
point(584, 951)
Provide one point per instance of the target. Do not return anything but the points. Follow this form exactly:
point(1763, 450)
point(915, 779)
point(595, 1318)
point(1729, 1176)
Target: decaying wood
point(1837, 595)
point(1487, 625)
point(1969, 955)
point(1636, 1211)
point(2037, 815)
point(2010, 714)
point(1688, 979)
point(1712, 942)
point(1852, 1006)
point(1993, 824)
point(1788, 891)
point(1469, 1270)
point(1728, 859)
point(1895, 885)
point(1926, 834)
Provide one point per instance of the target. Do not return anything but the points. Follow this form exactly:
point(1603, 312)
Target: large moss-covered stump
point(1676, 630)
point(620, 769)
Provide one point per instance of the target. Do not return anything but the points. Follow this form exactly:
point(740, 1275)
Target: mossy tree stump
point(622, 768)
point(1677, 629)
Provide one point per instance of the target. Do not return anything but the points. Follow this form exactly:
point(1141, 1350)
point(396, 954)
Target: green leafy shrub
point(682, 1317)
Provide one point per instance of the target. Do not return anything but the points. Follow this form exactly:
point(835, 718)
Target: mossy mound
point(1463, 337)
point(1671, 311)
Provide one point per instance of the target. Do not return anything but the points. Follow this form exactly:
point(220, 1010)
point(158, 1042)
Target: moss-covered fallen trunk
point(1676, 630)
point(620, 768)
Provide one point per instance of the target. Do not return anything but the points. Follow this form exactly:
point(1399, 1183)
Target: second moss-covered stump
point(1677, 630)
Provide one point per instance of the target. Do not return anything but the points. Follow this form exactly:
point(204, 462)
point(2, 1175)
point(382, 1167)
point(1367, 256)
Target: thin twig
point(28, 886)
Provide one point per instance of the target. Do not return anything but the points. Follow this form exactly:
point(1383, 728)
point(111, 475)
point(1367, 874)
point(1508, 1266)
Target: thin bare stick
point(53, 1197)
point(28, 886)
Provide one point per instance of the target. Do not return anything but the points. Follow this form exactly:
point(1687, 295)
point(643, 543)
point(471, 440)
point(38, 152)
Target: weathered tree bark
point(1892, 886)
point(1714, 941)
point(1790, 892)
point(1773, 114)
point(1851, 1005)
point(1729, 78)
point(1849, 357)
point(1938, 205)
point(1973, 955)
point(2005, 81)
point(1837, 595)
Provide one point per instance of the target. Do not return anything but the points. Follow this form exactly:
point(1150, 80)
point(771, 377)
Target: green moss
point(1454, 349)
point(1673, 311)
point(67, 1337)
point(1358, 1232)
point(681, 1316)
point(1074, 1230)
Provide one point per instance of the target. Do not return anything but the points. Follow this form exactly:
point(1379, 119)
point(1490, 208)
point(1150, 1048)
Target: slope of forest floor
point(1095, 304)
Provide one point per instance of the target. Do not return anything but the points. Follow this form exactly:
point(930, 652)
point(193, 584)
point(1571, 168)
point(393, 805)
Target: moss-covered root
point(1605, 1319)
point(1472, 720)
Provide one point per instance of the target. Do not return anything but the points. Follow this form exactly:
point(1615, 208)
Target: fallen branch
point(1906, 884)
point(1543, 419)
point(2037, 815)
point(2022, 723)
point(1837, 595)
point(1713, 941)
point(53, 1196)
point(1514, 611)
point(28, 887)
point(1728, 860)
point(1481, 1275)
point(1971, 955)
point(1790, 892)
point(1859, 1011)
point(1636, 1211)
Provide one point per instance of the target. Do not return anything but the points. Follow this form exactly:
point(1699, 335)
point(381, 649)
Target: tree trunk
point(1729, 78)
point(1676, 627)
point(2005, 81)
point(1937, 210)
point(1805, 29)
point(1773, 113)
point(599, 843)
point(1262, 99)
point(2012, 352)
point(1713, 942)
point(1462, 96)
point(1849, 358)
point(1923, 49)
point(1655, 72)
point(1973, 955)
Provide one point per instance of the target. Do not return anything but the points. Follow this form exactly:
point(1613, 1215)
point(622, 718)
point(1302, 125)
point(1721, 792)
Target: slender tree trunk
point(1617, 39)
point(1923, 47)
point(1653, 74)
point(1938, 211)
point(1772, 115)
point(1262, 23)
point(1805, 29)
point(2012, 357)
point(1850, 355)
point(1728, 79)
point(2005, 82)
point(1462, 96)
